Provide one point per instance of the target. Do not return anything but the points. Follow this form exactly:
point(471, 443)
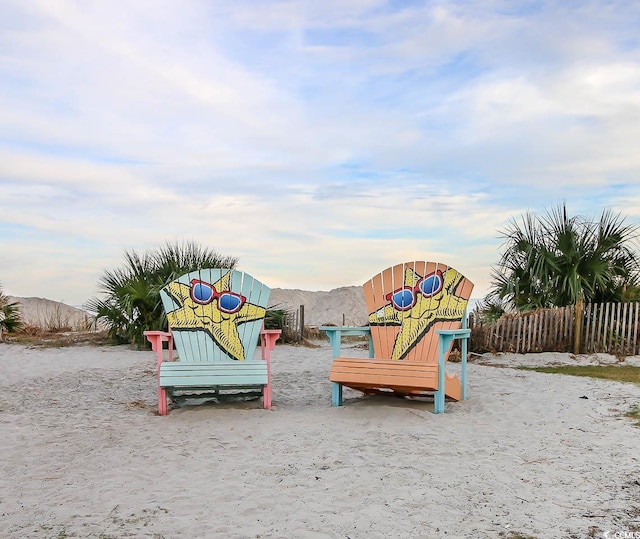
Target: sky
point(318, 142)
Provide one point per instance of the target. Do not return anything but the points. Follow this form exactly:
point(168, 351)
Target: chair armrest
point(268, 338)
point(156, 338)
point(455, 333)
point(335, 334)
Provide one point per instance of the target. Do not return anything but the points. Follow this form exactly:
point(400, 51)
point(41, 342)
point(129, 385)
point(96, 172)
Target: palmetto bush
point(554, 260)
point(129, 297)
point(489, 310)
point(9, 315)
point(275, 318)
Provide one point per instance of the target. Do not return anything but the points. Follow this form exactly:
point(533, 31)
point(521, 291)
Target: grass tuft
point(41, 338)
point(618, 373)
point(634, 413)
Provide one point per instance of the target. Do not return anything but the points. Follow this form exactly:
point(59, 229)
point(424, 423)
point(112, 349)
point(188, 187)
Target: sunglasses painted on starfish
point(404, 298)
point(204, 293)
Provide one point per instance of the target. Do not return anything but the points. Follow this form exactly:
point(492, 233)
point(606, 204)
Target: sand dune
point(341, 306)
point(48, 314)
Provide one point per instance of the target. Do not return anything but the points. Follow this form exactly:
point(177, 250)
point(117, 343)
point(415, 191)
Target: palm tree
point(130, 302)
point(9, 315)
point(555, 260)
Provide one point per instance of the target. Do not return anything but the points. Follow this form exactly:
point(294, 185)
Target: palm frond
point(556, 260)
point(129, 296)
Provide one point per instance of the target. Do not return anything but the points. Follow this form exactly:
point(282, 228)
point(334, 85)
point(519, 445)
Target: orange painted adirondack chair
point(416, 310)
point(216, 317)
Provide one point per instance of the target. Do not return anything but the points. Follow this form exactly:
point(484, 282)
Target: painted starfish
point(221, 326)
point(416, 321)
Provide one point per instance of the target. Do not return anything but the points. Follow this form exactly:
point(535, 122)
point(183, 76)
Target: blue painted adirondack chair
point(416, 310)
point(216, 317)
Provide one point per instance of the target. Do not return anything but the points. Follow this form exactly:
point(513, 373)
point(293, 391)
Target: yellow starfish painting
point(418, 305)
point(212, 307)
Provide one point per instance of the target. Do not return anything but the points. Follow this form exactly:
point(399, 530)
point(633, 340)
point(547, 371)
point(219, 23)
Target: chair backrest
point(408, 302)
point(215, 314)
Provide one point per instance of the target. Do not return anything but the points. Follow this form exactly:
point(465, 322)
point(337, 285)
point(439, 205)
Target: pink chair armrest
point(268, 338)
point(156, 338)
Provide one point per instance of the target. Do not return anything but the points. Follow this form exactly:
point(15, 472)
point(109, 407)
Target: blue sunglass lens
point(403, 299)
point(202, 293)
point(431, 285)
point(229, 302)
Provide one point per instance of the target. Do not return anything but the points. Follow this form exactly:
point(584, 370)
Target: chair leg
point(162, 401)
point(336, 394)
point(438, 401)
point(266, 396)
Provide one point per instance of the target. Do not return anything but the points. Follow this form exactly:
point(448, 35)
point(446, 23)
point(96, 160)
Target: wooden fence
point(293, 324)
point(606, 327)
point(612, 328)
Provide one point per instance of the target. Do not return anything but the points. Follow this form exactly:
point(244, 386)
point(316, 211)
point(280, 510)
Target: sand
point(83, 454)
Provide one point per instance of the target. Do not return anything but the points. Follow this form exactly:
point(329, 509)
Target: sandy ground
point(83, 454)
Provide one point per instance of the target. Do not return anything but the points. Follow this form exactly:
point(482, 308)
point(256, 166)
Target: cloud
point(317, 141)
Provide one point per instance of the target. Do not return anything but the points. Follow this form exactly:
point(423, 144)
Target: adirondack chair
point(215, 320)
point(416, 311)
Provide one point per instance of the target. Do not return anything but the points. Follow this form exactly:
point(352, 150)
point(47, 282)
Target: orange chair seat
point(405, 377)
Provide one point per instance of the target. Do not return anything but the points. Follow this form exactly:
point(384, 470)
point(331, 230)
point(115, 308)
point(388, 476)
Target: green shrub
point(129, 303)
point(9, 315)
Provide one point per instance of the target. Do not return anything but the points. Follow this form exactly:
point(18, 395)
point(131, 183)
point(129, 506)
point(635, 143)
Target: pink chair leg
point(266, 396)
point(162, 401)
point(156, 338)
point(268, 338)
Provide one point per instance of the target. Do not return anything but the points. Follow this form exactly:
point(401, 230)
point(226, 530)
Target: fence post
point(579, 315)
point(301, 323)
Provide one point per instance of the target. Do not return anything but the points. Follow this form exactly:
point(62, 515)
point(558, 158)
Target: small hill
point(52, 315)
point(341, 306)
